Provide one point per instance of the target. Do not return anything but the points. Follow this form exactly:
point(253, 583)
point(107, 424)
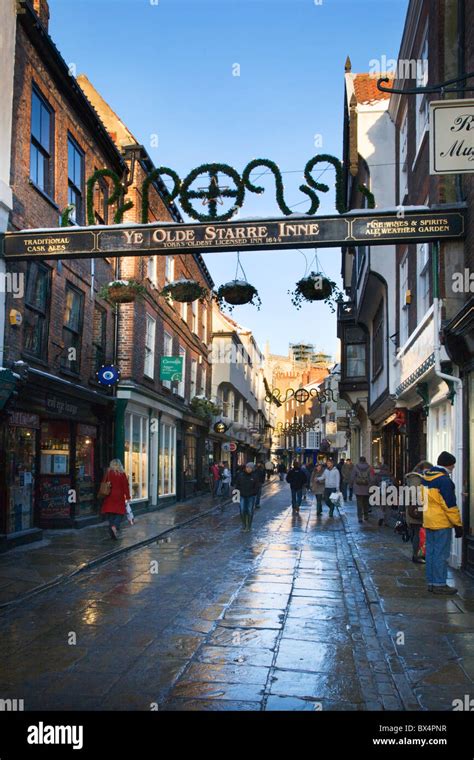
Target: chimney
point(41, 8)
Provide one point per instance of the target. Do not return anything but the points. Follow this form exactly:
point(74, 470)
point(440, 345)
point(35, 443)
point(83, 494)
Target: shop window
point(55, 462)
point(85, 439)
point(20, 460)
point(136, 454)
point(75, 173)
point(99, 338)
point(355, 353)
point(35, 328)
point(41, 143)
point(190, 457)
point(378, 341)
point(71, 354)
point(167, 460)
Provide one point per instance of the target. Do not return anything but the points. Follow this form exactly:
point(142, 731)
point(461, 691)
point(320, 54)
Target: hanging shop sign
point(262, 234)
point(451, 136)
point(108, 374)
point(171, 368)
point(220, 427)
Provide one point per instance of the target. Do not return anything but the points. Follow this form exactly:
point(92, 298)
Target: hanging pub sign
point(451, 136)
point(108, 374)
point(161, 238)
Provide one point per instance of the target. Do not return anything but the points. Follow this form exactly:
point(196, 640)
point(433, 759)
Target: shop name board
point(451, 136)
point(297, 232)
point(61, 406)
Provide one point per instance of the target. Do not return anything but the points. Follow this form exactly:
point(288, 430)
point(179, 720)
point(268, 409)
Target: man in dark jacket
point(297, 479)
point(247, 483)
point(260, 473)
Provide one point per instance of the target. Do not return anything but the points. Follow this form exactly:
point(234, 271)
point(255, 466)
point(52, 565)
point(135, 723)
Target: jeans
point(327, 500)
point(415, 542)
point(438, 546)
point(344, 485)
point(282, 475)
point(296, 497)
point(223, 489)
point(114, 520)
point(257, 498)
point(319, 503)
point(247, 504)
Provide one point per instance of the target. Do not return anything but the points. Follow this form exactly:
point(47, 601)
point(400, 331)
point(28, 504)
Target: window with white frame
point(184, 311)
point(403, 336)
point(237, 410)
point(152, 270)
point(136, 454)
point(226, 402)
point(203, 381)
point(204, 323)
point(423, 280)
point(403, 152)
point(422, 103)
point(194, 308)
point(150, 347)
point(167, 351)
point(169, 269)
point(167, 460)
point(182, 384)
point(193, 387)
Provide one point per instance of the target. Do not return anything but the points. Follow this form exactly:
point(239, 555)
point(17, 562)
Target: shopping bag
point(130, 517)
point(104, 489)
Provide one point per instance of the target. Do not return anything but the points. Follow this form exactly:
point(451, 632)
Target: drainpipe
point(458, 399)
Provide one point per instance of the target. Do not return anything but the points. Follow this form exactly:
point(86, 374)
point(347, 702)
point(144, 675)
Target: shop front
point(56, 441)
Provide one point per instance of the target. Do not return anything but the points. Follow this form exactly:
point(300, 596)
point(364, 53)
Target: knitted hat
point(446, 459)
point(250, 465)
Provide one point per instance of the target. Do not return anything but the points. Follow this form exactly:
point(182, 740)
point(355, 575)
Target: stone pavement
point(299, 614)
point(65, 553)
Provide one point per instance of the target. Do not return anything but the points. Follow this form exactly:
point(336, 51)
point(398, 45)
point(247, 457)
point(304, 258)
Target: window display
point(21, 478)
point(167, 460)
point(85, 439)
point(55, 480)
point(136, 454)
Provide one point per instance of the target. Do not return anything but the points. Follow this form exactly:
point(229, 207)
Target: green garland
point(370, 196)
point(278, 181)
point(114, 198)
point(326, 158)
point(170, 196)
point(66, 215)
point(213, 194)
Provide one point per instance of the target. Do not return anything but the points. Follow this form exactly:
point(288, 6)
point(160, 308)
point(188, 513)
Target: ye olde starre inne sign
point(288, 232)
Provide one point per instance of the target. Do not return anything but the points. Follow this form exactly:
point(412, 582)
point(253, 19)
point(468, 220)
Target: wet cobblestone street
point(300, 614)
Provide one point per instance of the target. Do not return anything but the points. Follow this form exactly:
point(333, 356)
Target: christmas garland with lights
point(169, 197)
point(278, 181)
point(324, 158)
point(212, 195)
point(114, 198)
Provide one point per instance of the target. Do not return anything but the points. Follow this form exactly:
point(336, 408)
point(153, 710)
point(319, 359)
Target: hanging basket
point(122, 291)
point(184, 291)
point(238, 293)
point(315, 287)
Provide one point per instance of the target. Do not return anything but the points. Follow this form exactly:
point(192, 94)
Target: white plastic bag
point(130, 517)
point(337, 498)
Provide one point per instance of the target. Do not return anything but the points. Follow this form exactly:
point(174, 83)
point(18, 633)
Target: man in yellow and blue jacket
point(440, 515)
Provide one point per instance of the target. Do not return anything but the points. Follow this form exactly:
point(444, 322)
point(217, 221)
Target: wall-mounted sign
point(171, 368)
point(295, 232)
point(108, 375)
point(451, 136)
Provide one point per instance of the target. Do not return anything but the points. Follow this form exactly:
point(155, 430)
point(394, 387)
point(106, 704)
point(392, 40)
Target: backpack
point(362, 477)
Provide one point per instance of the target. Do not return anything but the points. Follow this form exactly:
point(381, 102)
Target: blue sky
point(166, 68)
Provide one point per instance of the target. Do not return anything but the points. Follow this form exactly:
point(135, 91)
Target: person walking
point(215, 476)
point(247, 483)
point(414, 509)
point(383, 479)
point(331, 480)
point(346, 476)
point(361, 480)
point(440, 515)
point(317, 487)
point(226, 480)
point(297, 479)
point(114, 504)
point(281, 470)
point(269, 468)
point(260, 473)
